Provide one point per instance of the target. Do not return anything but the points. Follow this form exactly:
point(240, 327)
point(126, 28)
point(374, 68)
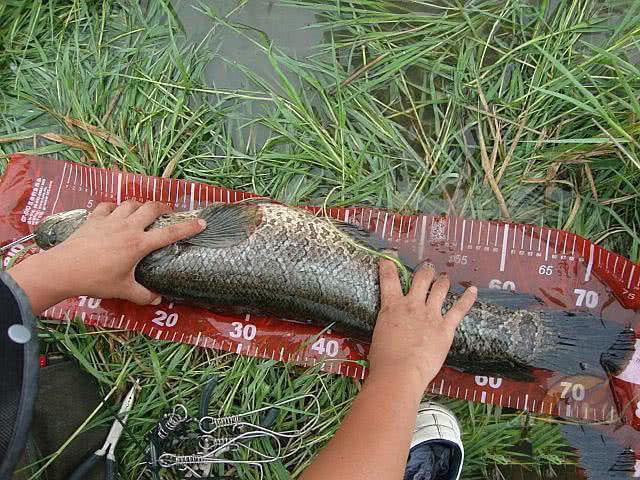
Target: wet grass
point(497, 110)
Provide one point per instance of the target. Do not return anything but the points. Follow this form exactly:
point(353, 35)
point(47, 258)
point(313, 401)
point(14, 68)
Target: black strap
point(18, 382)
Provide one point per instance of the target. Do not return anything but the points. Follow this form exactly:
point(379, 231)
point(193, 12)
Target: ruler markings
point(104, 186)
point(119, 192)
point(423, 232)
point(53, 208)
point(587, 275)
point(70, 171)
point(384, 225)
point(503, 254)
point(540, 239)
point(471, 233)
point(464, 225)
point(546, 252)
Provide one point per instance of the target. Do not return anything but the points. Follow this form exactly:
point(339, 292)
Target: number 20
point(164, 320)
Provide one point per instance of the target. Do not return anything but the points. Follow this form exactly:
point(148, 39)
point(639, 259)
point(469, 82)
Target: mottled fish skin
point(282, 268)
point(285, 261)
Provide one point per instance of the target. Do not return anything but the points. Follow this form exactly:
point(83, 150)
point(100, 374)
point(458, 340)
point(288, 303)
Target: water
point(282, 25)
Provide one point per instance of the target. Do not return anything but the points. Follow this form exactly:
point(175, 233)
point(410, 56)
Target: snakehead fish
point(275, 259)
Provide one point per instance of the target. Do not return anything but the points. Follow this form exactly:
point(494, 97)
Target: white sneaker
point(436, 451)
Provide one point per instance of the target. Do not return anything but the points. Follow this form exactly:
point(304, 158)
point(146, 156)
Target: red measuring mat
point(565, 270)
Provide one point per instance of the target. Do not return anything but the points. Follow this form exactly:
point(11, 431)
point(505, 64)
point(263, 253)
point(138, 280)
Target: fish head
point(56, 228)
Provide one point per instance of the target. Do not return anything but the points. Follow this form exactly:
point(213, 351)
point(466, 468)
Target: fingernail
point(442, 275)
point(202, 222)
point(427, 264)
point(473, 289)
point(156, 301)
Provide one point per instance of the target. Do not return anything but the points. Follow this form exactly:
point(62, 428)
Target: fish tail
point(586, 344)
point(600, 455)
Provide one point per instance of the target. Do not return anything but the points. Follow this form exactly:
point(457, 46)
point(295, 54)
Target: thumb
point(142, 296)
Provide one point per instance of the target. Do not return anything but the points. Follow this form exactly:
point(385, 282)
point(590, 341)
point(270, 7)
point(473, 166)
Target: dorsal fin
point(227, 225)
point(360, 235)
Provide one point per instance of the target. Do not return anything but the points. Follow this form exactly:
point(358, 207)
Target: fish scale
point(343, 293)
point(577, 275)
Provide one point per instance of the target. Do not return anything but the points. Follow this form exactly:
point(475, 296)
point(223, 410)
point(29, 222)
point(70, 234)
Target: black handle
point(81, 471)
point(205, 398)
point(112, 467)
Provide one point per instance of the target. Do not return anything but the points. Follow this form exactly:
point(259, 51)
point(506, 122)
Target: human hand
point(99, 259)
point(411, 334)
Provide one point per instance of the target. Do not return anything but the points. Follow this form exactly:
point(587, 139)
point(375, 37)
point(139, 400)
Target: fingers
point(126, 208)
point(453, 317)
point(162, 237)
point(147, 213)
point(438, 292)
point(103, 209)
point(390, 287)
point(421, 282)
point(140, 295)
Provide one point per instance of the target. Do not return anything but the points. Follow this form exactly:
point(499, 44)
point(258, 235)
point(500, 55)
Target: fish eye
point(51, 237)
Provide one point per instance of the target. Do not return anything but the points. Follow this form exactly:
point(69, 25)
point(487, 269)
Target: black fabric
point(433, 460)
point(18, 377)
point(66, 397)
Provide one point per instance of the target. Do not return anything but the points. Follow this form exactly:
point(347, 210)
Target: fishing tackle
point(171, 439)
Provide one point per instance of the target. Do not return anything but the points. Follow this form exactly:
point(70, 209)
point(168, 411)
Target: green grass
point(407, 106)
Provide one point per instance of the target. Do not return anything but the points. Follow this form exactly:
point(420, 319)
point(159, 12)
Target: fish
point(264, 257)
